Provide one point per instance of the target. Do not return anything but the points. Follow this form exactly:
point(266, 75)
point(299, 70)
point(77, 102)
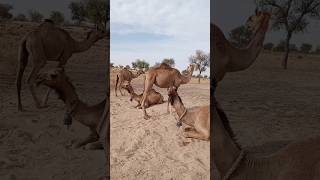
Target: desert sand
point(154, 149)
point(268, 106)
point(35, 145)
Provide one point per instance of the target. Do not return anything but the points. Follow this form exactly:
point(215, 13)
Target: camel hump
point(164, 66)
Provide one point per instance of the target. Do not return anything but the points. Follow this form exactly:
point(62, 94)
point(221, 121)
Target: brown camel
point(164, 77)
point(89, 116)
point(125, 75)
point(296, 161)
point(228, 58)
point(48, 43)
point(153, 97)
point(198, 118)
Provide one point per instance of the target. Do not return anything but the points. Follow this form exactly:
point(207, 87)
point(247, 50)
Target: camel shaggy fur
point(125, 75)
point(48, 43)
point(198, 118)
point(164, 77)
point(153, 97)
point(89, 116)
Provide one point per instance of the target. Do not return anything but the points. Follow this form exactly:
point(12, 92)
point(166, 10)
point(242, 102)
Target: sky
point(156, 29)
point(228, 14)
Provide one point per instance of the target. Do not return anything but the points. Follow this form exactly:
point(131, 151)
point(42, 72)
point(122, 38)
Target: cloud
point(175, 18)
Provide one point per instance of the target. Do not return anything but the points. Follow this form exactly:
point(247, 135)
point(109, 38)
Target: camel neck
point(225, 150)
point(68, 95)
point(181, 111)
point(186, 78)
point(80, 46)
point(241, 59)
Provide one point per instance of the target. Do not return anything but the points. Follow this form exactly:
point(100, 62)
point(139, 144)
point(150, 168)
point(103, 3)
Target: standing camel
point(164, 77)
point(297, 161)
point(198, 118)
point(48, 43)
point(227, 58)
point(125, 75)
point(89, 116)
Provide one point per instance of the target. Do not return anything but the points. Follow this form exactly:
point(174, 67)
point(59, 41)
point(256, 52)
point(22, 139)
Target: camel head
point(257, 21)
point(190, 68)
point(52, 78)
point(96, 34)
point(173, 95)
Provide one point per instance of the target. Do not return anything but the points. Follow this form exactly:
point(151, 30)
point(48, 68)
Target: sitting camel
point(296, 161)
point(196, 117)
point(153, 97)
point(125, 75)
point(89, 116)
point(227, 58)
point(164, 77)
point(49, 43)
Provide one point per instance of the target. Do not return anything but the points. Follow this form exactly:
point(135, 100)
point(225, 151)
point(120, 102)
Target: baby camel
point(125, 75)
point(153, 97)
point(89, 116)
point(196, 117)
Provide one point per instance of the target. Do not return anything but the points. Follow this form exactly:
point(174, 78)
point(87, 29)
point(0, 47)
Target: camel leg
point(91, 138)
point(94, 145)
point(45, 98)
point(120, 87)
point(31, 81)
point(195, 134)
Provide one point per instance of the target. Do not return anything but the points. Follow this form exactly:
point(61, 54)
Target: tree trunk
point(199, 77)
point(287, 51)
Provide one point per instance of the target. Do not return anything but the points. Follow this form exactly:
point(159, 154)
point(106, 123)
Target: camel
point(196, 117)
point(89, 116)
point(125, 75)
point(153, 97)
point(164, 77)
point(48, 43)
point(296, 161)
point(228, 58)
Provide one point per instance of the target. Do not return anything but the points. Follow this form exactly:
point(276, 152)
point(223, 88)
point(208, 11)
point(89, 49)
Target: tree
point(291, 16)
point(57, 17)
point(97, 12)
point(240, 36)
point(35, 16)
point(305, 48)
point(169, 61)
point(5, 11)
point(201, 60)
point(280, 46)
point(127, 67)
point(140, 64)
point(78, 12)
point(20, 17)
point(268, 46)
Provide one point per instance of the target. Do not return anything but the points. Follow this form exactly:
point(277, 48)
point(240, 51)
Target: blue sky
point(156, 29)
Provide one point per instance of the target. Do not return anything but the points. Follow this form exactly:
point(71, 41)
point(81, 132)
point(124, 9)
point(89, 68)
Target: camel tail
point(117, 81)
point(23, 61)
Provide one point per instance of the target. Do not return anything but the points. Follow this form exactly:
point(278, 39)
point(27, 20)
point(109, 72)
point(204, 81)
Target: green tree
point(97, 12)
point(292, 16)
point(78, 12)
point(305, 48)
point(201, 60)
point(5, 11)
point(57, 17)
point(240, 36)
point(268, 46)
point(35, 16)
point(169, 61)
point(140, 64)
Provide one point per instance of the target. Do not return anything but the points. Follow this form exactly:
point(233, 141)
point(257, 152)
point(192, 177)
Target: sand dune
point(155, 148)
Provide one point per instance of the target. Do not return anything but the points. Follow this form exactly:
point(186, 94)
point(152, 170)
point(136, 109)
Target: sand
point(268, 106)
point(154, 148)
point(35, 145)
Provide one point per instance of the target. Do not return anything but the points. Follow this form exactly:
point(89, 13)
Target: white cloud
point(174, 18)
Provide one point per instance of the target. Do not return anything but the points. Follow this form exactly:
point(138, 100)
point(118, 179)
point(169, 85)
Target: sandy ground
point(35, 145)
point(269, 106)
point(155, 149)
